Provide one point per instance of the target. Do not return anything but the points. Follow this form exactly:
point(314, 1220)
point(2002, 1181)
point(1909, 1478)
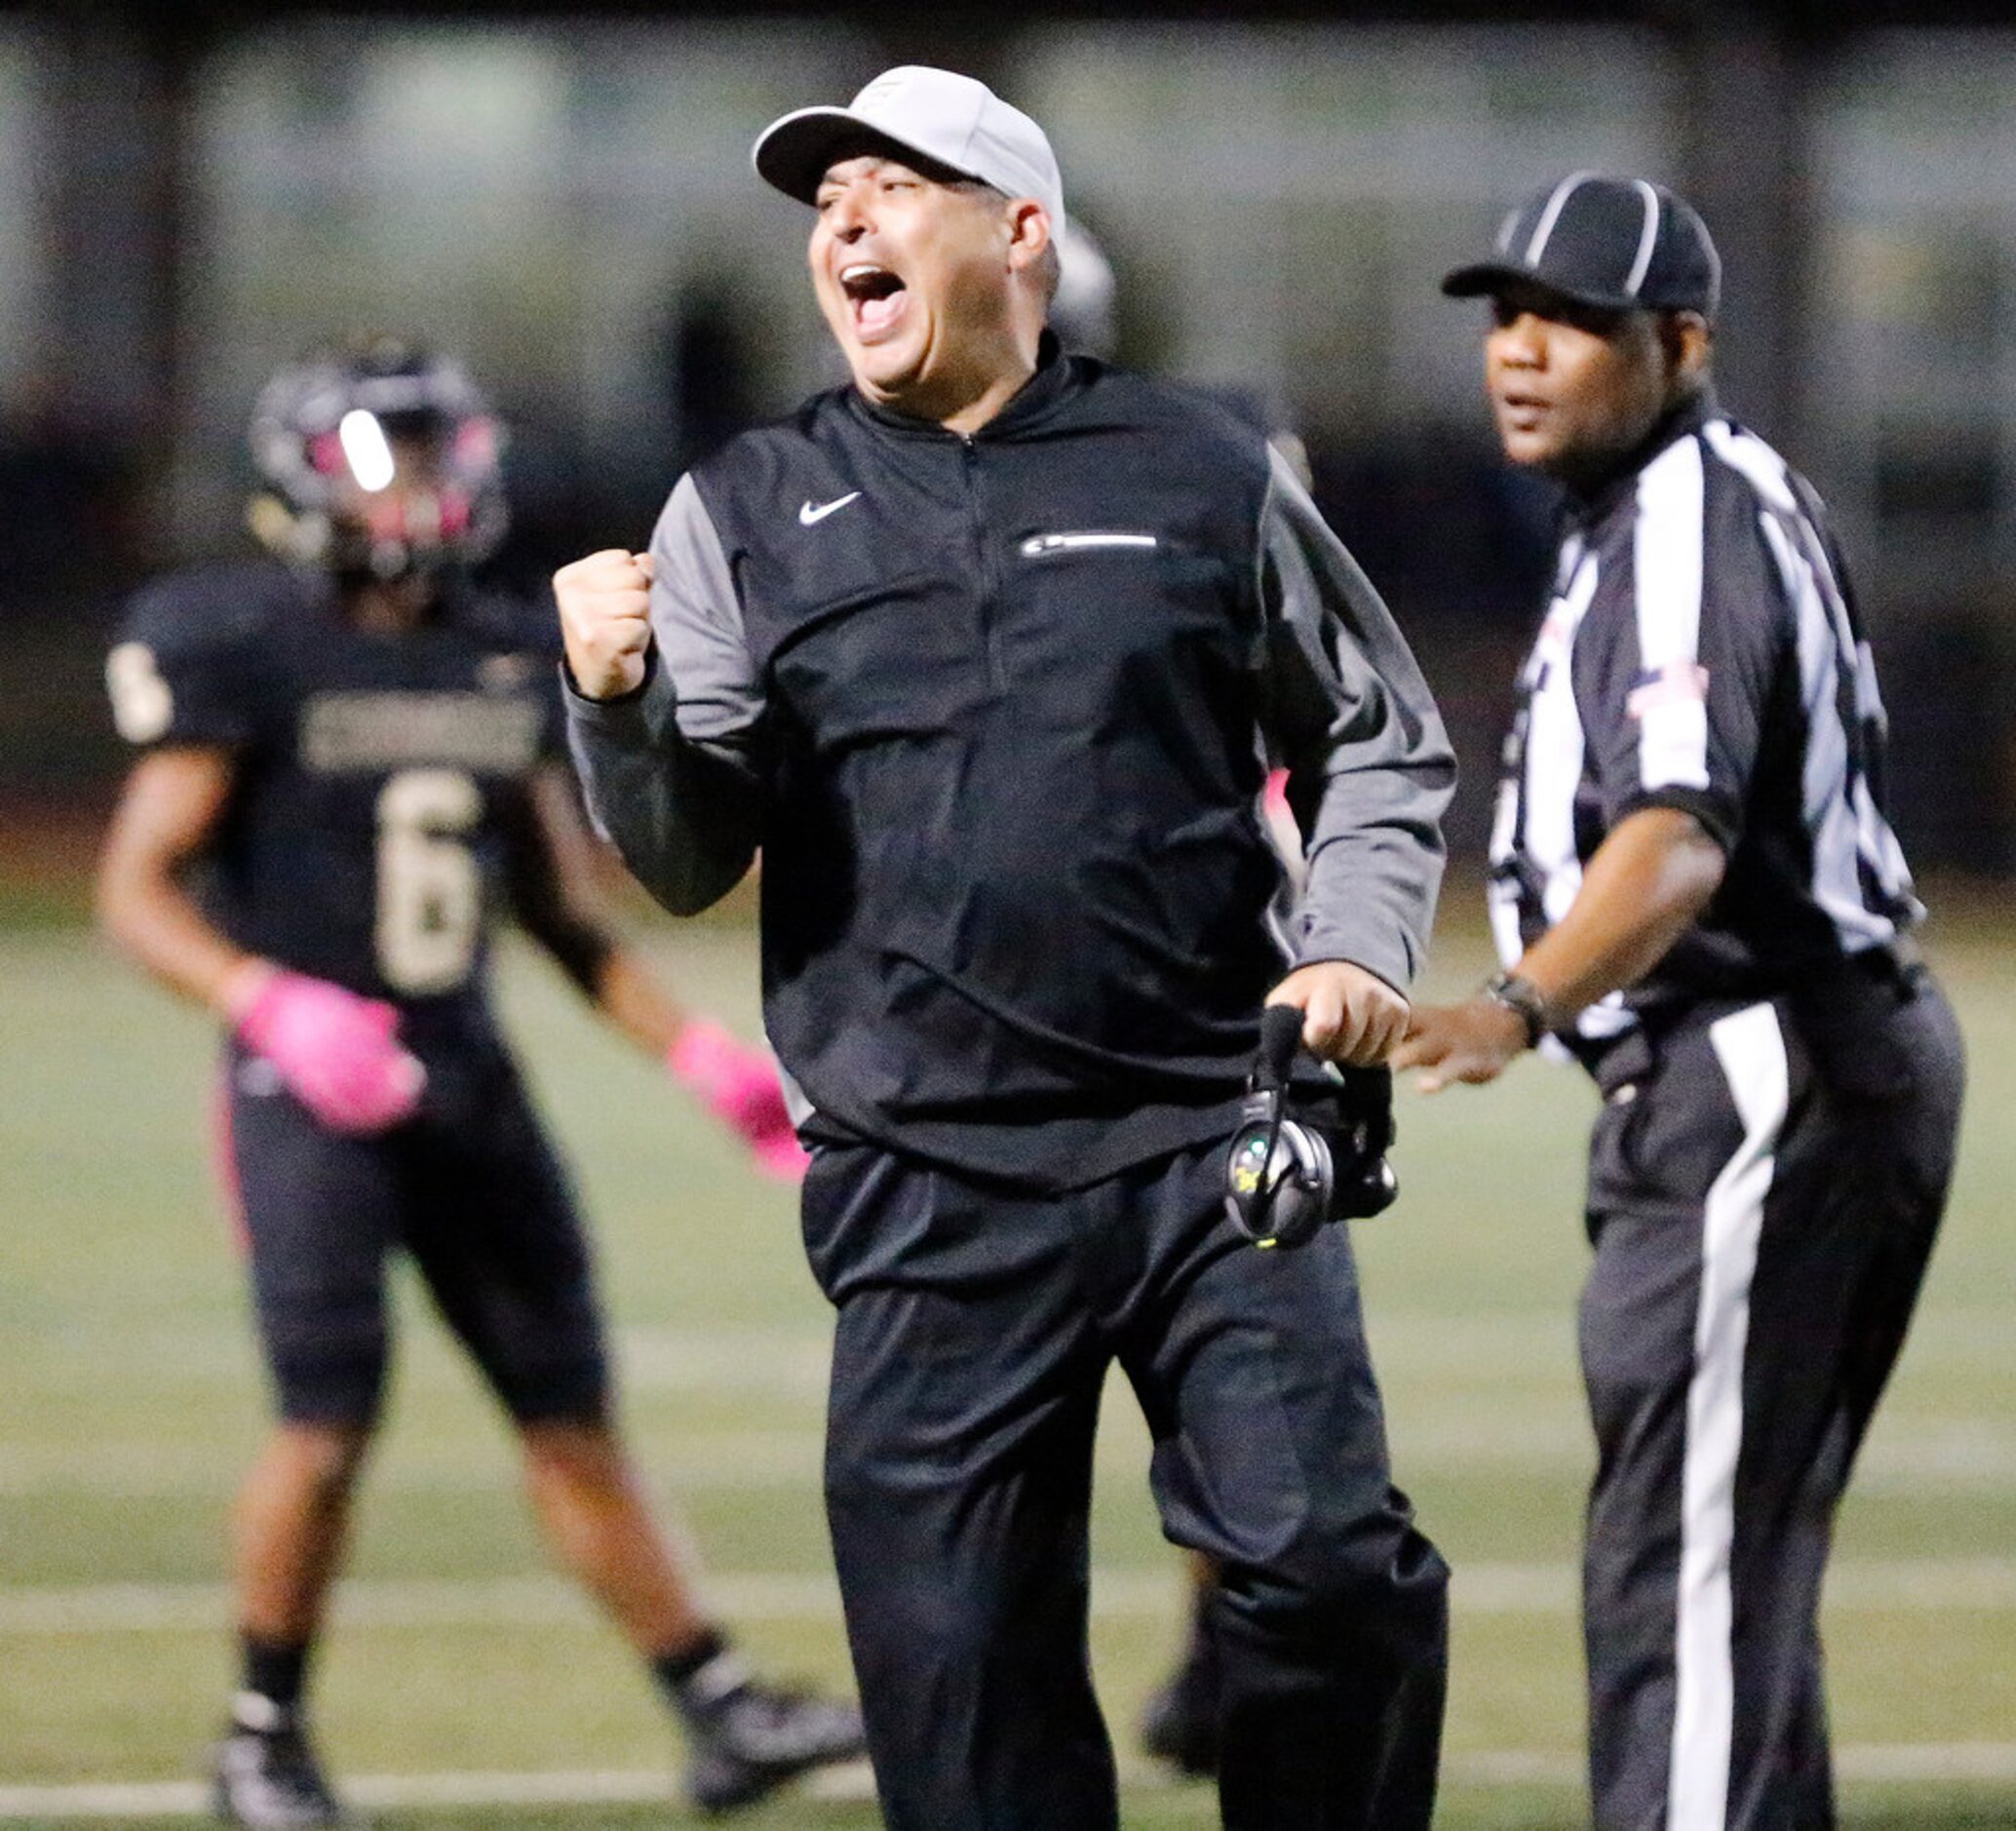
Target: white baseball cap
point(953, 121)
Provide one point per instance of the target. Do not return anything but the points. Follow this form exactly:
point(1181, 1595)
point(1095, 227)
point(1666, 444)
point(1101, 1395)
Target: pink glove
point(337, 1053)
point(739, 1085)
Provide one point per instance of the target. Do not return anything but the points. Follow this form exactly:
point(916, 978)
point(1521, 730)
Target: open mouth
point(875, 296)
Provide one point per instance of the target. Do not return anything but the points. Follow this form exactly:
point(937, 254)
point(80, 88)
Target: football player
point(350, 756)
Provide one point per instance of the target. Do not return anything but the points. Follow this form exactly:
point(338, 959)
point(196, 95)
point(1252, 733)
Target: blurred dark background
point(189, 194)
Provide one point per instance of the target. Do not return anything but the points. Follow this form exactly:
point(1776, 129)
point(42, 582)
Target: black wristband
point(1522, 998)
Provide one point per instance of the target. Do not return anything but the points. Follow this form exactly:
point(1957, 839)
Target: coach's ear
point(1030, 233)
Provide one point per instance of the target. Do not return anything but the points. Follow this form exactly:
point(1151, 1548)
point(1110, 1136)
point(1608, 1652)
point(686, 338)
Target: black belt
point(1893, 973)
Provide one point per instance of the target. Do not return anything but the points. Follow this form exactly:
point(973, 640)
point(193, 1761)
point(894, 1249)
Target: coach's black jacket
point(998, 711)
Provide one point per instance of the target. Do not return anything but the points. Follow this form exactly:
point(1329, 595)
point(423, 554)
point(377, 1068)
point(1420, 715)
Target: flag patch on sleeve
point(1676, 683)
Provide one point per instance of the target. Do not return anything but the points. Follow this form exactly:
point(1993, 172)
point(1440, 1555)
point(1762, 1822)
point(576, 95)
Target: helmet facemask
point(379, 464)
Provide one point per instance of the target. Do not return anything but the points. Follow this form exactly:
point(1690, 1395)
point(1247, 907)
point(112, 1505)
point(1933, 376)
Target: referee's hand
point(1474, 1041)
point(1349, 1014)
point(605, 616)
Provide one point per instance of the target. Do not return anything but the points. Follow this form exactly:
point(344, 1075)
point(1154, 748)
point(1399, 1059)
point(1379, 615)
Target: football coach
point(989, 652)
point(1695, 889)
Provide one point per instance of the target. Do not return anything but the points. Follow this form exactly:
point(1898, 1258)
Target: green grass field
point(129, 1398)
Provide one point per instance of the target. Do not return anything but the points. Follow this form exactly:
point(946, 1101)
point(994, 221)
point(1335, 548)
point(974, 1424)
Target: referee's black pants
point(1765, 1181)
point(975, 1329)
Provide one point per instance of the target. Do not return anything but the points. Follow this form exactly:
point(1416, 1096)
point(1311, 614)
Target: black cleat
point(268, 1779)
point(1178, 1724)
point(744, 1739)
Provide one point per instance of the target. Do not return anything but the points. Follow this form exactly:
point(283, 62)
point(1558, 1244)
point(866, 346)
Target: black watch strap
point(1522, 998)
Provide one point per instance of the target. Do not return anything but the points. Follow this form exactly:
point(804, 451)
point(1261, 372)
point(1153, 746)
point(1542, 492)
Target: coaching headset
point(1308, 1151)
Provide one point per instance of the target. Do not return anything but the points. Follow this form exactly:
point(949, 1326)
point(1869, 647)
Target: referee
point(987, 650)
point(1696, 890)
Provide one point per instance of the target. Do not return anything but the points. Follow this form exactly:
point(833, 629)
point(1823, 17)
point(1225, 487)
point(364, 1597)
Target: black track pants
point(975, 1330)
point(1763, 1200)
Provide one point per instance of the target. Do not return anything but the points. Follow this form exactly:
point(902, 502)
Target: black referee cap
point(1621, 244)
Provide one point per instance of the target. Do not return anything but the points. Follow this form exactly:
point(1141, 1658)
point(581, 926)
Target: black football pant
point(469, 1188)
point(1765, 1186)
point(974, 1333)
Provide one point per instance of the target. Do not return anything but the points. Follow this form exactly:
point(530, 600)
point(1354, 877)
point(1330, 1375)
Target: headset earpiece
point(1278, 1176)
point(1283, 1174)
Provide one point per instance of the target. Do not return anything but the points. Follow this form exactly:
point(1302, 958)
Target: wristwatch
point(1522, 998)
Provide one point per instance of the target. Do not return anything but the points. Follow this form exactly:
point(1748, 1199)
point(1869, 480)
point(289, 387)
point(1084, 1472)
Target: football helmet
point(378, 458)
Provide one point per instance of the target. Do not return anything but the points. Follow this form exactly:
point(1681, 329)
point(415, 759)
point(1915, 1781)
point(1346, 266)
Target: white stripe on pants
point(1751, 1050)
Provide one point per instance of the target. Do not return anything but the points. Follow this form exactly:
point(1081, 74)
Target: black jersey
point(1702, 652)
point(380, 777)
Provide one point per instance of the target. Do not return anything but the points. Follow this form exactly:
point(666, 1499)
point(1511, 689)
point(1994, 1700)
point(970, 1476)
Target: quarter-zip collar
point(1056, 380)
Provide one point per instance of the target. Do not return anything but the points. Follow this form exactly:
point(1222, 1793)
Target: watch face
point(1522, 996)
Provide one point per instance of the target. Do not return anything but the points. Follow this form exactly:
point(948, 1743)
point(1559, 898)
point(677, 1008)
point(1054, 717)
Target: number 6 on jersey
point(429, 891)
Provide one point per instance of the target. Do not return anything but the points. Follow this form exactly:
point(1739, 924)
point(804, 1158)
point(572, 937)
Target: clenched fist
point(605, 618)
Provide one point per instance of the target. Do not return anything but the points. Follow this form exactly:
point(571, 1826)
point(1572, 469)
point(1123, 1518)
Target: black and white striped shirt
point(1701, 651)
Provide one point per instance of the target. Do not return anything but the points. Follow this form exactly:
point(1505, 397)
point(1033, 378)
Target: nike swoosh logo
point(807, 515)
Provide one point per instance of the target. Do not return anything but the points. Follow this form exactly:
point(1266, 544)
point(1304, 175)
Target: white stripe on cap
point(1648, 236)
point(1549, 216)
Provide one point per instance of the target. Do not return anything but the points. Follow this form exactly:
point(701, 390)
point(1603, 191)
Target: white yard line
point(1861, 1585)
point(397, 1792)
point(1974, 1456)
point(707, 1460)
point(1861, 1764)
point(1920, 1763)
point(1858, 1585)
point(1928, 1761)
